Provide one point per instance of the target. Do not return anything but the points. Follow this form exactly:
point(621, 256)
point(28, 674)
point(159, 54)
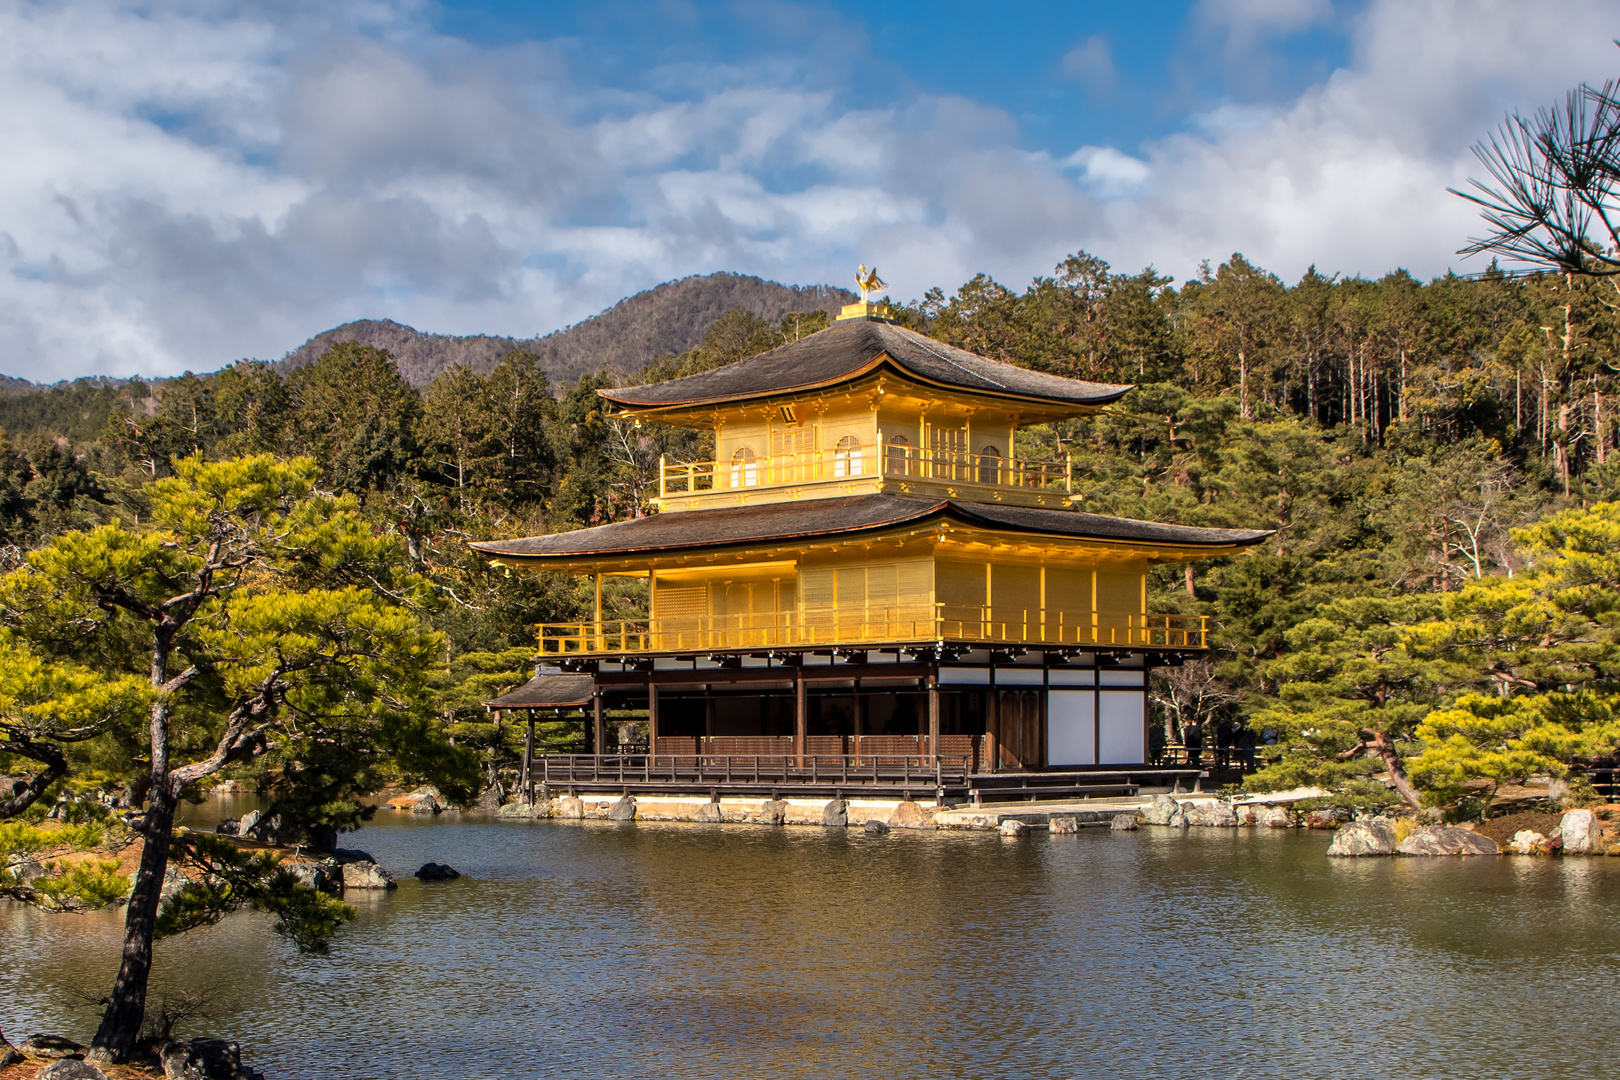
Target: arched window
point(744, 469)
point(990, 465)
point(895, 456)
point(847, 457)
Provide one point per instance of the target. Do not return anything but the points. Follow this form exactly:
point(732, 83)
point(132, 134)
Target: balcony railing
point(811, 627)
point(678, 480)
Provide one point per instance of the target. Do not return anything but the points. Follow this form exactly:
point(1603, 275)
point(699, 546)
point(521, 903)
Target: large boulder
point(1014, 828)
point(520, 809)
point(835, 815)
point(1274, 817)
point(623, 810)
point(571, 807)
point(1447, 840)
point(1527, 842)
point(1213, 813)
point(321, 876)
point(1374, 836)
point(437, 872)
point(909, 815)
point(1161, 810)
point(1582, 833)
point(365, 875)
point(247, 823)
point(1328, 817)
point(71, 1069)
point(1125, 822)
point(874, 827)
point(709, 812)
point(1062, 824)
point(205, 1059)
point(50, 1046)
point(773, 811)
point(229, 827)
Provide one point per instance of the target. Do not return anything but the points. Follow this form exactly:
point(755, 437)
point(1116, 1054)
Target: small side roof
point(732, 526)
point(850, 348)
point(551, 688)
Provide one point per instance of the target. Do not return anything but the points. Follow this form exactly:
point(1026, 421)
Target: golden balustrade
point(846, 627)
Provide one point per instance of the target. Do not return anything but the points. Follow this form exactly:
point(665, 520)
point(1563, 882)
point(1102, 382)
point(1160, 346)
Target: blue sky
point(192, 181)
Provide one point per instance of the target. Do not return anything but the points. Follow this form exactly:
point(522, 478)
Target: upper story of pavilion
point(864, 407)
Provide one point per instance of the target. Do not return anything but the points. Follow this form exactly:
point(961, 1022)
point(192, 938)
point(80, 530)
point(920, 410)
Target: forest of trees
point(1394, 433)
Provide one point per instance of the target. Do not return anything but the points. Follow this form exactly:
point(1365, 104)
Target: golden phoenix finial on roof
point(868, 282)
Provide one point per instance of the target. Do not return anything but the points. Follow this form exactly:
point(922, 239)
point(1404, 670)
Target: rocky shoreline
point(52, 1057)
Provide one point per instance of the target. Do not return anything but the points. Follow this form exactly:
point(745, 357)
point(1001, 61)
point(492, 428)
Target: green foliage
point(228, 878)
point(92, 882)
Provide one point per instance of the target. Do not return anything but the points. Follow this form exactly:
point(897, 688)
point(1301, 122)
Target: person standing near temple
point(1192, 737)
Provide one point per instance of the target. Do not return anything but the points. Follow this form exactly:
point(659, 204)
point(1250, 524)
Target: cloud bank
point(202, 181)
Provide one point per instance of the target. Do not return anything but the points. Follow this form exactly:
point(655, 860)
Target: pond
point(646, 950)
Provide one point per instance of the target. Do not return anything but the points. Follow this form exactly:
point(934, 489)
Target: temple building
point(866, 578)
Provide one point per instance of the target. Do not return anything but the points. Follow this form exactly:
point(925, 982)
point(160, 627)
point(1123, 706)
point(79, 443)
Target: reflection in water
point(574, 949)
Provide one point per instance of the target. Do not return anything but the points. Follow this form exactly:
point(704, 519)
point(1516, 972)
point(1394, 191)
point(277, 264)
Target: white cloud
point(196, 184)
point(1091, 63)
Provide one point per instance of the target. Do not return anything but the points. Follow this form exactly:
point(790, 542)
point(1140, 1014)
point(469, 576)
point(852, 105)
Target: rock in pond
point(709, 812)
point(874, 827)
point(437, 872)
point(50, 1046)
point(71, 1069)
point(623, 810)
point(835, 815)
point(365, 875)
point(1374, 836)
point(1064, 823)
point(1274, 817)
point(1447, 840)
point(1013, 827)
point(1161, 810)
point(773, 811)
point(910, 815)
point(521, 809)
point(205, 1059)
point(1124, 823)
point(1212, 813)
point(1582, 833)
point(1329, 817)
point(1527, 842)
point(571, 807)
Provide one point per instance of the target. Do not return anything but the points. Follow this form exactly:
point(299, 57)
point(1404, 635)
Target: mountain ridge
point(662, 321)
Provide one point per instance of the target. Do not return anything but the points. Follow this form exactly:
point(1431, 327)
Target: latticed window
point(744, 468)
point(990, 465)
point(847, 457)
point(895, 455)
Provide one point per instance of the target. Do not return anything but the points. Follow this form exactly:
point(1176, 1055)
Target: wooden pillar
point(528, 761)
point(801, 716)
point(992, 728)
point(597, 640)
point(933, 715)
point(598, 724)
point(652, 716)
point(859, 720)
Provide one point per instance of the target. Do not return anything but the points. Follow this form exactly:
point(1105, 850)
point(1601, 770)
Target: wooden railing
point(698, 769)
point(681, 479)
point(836, 627)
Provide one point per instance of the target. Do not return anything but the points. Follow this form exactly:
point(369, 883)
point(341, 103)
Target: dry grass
point(1404, 827)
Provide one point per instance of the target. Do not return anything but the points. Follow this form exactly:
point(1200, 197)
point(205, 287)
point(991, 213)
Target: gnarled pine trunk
point(126, 1006)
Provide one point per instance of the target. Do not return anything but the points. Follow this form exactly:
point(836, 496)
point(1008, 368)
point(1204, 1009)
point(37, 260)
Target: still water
point(599, 950)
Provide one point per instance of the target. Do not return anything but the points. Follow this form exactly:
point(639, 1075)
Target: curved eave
point(922, 515)
point(1075, 406)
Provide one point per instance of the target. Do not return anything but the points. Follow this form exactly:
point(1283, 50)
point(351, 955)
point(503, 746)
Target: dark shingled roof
point(774, 522)
point(850, 346)
point(550, 689)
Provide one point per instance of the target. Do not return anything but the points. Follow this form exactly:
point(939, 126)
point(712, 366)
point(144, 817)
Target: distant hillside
point(670, 318)
point(10, 384)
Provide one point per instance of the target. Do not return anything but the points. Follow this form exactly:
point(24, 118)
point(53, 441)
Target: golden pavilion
point(866, 582)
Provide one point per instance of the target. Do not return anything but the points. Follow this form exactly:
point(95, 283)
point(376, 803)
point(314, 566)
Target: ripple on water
point(594, 950)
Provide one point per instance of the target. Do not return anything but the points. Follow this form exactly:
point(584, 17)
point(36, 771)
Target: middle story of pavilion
point(865, 567)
